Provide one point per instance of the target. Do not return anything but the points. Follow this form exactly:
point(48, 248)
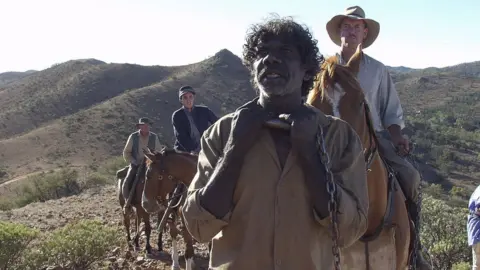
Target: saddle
point(392, 186)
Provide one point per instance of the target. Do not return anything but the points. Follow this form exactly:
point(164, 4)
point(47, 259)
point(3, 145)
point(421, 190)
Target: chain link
point(332, 203)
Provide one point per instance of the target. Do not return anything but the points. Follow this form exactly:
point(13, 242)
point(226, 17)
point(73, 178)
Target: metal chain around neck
point(332, 191)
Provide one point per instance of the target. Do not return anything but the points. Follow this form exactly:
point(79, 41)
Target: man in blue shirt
point(190, 121)
point(473, 228)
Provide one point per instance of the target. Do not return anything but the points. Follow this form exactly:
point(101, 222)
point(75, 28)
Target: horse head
point(337, 92)
point(165, 169)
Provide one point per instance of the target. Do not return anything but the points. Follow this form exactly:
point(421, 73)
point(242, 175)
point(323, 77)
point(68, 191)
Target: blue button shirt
point(473, 223)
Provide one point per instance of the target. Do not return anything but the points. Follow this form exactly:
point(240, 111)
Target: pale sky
point(39, 33)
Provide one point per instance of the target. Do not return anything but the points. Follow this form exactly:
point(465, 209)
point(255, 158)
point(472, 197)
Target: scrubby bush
point(48, 186)
point(14, 239)
point(444, 233)
point(56, 184)
point(462, 266)
point(76, 246)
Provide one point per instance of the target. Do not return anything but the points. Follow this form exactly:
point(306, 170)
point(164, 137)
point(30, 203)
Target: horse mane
point(168, 151)
point(330, 72)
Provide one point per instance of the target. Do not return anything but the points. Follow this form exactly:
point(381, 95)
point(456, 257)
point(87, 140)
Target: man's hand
point(401, 144)
point(246, 126)
point(217, 196)
point(304, 122)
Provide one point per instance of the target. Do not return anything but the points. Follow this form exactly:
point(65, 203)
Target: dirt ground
point(102, 204)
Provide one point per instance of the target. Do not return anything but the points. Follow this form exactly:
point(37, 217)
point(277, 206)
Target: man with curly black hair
point(260, 192)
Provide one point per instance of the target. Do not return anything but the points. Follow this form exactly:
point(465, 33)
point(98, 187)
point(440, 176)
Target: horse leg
point(160, 233)
point(126, 224)
point(189, 251)
point(402, 233)
point(148, 231)
point(173, 234)
point(138, 219)
point(126, 215)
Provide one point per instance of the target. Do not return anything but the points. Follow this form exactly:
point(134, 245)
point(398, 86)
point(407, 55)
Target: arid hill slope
point(82, 111)
point(12, 76)
point(102, 118)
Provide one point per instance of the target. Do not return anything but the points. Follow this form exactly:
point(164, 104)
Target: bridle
point(160, 163)
point(372, 137)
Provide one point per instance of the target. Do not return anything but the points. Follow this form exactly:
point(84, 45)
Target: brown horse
point(140, 213)
point(166, 171)
point(386, 242)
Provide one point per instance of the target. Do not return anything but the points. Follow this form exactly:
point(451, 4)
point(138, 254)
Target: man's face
point(144, 128)
point(352, 32)
point(278, 69)
point(187, 100)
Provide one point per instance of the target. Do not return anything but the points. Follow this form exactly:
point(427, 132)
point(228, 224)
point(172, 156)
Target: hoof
point(175, 267)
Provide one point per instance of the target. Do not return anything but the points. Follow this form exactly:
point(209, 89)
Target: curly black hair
point(290, 31)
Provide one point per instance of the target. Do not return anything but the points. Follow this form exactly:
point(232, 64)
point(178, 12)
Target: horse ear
point(354, 63)
point(148, 154)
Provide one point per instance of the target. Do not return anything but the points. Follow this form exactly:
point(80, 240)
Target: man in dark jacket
point(190, 121)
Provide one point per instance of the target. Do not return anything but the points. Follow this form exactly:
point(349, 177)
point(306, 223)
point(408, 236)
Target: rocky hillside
point(81, 111)
point(101, 204)
point(9, 77)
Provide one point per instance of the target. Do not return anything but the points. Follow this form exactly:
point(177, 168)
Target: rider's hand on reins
point(402, 151)
point(402, 145)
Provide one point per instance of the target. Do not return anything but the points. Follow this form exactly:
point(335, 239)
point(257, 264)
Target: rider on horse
point(190, 121)
point(348, 30)
point(133, 154)
point(264, 193)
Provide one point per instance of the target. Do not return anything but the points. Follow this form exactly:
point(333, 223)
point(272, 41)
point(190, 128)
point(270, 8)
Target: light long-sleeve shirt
point(142, 144)
point(473, 223)
point(380, 93)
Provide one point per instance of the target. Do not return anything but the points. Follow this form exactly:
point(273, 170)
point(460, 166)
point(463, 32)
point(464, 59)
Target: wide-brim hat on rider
point(144, 121)
point(185, 89)
point(356, 13)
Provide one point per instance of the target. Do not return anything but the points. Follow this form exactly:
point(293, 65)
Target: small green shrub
point(462, 266)
point(14, 239)
point(459, 192)
point(75, 246)
point(444, 233)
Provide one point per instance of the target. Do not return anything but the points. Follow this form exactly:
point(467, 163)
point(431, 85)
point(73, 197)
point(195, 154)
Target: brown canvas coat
point(272, 224)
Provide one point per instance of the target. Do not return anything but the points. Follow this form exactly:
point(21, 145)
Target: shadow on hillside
point(462, 176)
